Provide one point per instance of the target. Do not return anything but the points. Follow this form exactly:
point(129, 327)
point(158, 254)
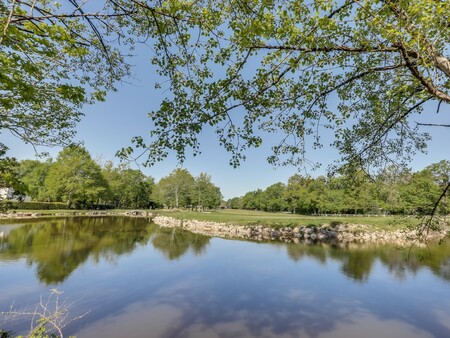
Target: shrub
point(36, 205)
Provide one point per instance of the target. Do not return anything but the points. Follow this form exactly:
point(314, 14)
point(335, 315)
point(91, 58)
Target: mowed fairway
point(250, 217)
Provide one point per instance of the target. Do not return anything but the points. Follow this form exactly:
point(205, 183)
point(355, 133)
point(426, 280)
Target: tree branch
point(8, 21)
point(335, 48)
point(433, 125)
point(427, 221)
point(429, 86)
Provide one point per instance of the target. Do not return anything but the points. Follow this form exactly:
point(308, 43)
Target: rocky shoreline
point(327, 233)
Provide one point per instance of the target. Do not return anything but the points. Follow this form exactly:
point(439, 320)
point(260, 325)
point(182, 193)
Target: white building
point(8, 194)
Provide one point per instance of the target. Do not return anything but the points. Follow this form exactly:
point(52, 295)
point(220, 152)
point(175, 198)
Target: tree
point(441, 176)
point(388, 183)
point(32, 174)
point(359, 191)
point(205, 194)
point(274, 197)
point(74, 178)
point(55, 57)
point(303, 195)
point(420, 193)
point(336, 199)
point(364, 69)
point(129, 188)
point(175, 190)
point(293, 193)
point(9, 167)
point(254, 200)
point(317, 191)
point(235, 203)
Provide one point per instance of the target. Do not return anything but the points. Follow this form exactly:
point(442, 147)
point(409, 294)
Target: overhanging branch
point(433, 125)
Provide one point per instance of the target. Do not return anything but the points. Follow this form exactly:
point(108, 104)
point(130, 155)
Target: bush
point(47, 320)
point(13, 205)
point(36, 205)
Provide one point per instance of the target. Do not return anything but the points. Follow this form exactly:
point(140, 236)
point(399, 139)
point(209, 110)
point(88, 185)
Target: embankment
point(341, 233)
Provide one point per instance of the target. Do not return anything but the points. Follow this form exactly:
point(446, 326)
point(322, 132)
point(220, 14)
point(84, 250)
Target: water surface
point(128, 277)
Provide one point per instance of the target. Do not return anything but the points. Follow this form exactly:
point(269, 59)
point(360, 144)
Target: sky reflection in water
point(137, 280)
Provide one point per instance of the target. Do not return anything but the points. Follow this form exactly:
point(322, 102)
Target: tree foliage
point(44, 245)
point(181, 189)
point(75, 178)
point(174, 190)
point(363, 69)
point(32, 174)
point(128, 188)
point(205, 195)
point(9, 168)
point(55, 57)
point(393, 191)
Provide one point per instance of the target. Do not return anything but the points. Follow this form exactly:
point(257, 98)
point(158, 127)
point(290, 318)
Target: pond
point(127, 277)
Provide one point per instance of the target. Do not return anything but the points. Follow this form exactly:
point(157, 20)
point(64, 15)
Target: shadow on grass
point(335, 223)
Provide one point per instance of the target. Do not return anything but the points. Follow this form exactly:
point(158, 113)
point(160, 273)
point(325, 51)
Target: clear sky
point(109, 126)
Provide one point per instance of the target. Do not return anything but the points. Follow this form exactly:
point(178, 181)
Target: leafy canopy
point(363, 69)
point(128, 188)
point(360, 68)
point(54, 58)
point(74, 178)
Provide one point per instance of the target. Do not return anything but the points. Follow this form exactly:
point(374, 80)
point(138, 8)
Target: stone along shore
point(341, 233)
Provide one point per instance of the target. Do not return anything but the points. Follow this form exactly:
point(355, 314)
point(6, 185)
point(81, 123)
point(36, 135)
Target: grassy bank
point(65, 212)
point(250, 217)
point(275, 220)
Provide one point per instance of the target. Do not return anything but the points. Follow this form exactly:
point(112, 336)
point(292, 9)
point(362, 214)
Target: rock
point(274, 234)
point(342, 234)
point(322, 236)
point(308, 230)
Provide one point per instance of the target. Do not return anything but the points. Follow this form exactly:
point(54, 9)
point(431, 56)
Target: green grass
point(65, 211)
point(45, 212)
point(249, 217)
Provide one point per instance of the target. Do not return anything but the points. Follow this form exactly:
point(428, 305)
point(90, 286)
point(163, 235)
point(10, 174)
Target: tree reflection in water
point(240, 289)
point(58, 246)
point(357, 260)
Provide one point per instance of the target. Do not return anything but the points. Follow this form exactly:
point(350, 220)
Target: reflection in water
point(171, 321)
point(357, 260)
point(175, 243)
point(198, 307)
point(58, 246)
point(171, 283)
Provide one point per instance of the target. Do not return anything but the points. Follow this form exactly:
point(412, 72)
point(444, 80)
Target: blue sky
point(109, 126)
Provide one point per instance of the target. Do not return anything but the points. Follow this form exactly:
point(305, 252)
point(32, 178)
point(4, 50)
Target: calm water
point(129, 278)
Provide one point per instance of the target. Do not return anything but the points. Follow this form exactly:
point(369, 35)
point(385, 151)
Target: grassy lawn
point(249, 217)
point(45, 212)
point(64, 211)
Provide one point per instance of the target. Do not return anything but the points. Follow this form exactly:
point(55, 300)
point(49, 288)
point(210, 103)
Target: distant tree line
point(181, 189)
point(394, 191)
point(77, 180)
